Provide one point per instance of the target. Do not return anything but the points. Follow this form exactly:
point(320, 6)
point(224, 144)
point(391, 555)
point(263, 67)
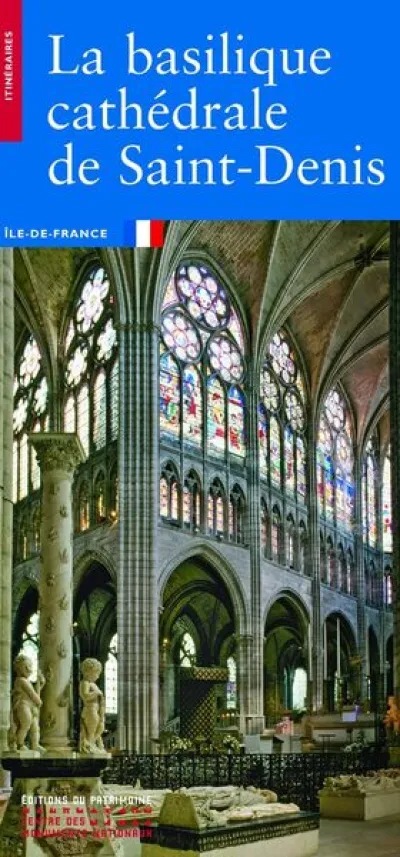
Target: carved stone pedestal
point(56, 809)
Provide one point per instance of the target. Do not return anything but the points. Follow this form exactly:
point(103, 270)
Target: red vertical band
point(156, 233)
point(10, 71)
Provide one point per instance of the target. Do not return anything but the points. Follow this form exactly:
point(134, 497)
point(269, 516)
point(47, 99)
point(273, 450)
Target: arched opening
point(237, 506)
point(95, 635)
point(285, 658)
point(374, 677)
point(197, 644)
point(26, 626)
point(341, 664)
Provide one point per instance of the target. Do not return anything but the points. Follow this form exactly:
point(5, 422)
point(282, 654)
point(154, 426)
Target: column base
point(252, 724)
point(56, 808)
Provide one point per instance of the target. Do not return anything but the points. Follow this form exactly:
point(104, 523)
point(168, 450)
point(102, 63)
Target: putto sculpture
point(25, 706)
point(93, 709)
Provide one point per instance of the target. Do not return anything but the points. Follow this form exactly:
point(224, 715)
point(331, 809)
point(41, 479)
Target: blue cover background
point(355, 103)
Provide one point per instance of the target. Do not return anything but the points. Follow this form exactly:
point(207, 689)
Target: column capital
point(57, 451)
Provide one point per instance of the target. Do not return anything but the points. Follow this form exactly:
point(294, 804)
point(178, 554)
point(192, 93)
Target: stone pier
point(58, 456)
point(6, 505)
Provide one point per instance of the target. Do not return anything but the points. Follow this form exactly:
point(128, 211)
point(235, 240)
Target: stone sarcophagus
point(362, 798)
point(217, 822)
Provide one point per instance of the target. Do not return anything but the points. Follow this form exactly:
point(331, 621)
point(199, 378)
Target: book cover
point(199, 339)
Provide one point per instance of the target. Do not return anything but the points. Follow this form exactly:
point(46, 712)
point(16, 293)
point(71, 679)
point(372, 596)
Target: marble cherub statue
point(92, 714)
point(25, 706)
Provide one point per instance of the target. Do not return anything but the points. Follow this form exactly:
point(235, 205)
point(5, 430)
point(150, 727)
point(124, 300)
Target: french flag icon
point(145, 233)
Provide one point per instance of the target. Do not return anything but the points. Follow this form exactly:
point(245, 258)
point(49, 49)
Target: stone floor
point(359, 838)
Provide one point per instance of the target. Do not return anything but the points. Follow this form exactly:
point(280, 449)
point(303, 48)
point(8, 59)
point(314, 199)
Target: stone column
point(244, 656)
point(255, 716)
point(360, 578)
point(394, 350)
point(138, 679)
point(58, 456)
point(6, 462)
point(317, 652)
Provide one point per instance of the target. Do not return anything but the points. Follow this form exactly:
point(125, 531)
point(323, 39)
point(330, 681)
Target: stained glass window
point(369, 494)
point(220, 523)
point(100, 411)
point(388, 587)
point(169, 494)
point(174, 501)
point(216, 422)
point(299, 690)
point(275, 451)
point(301, 466)
point(30, 643)
point(111, 677)
point(236, 515)
point(231, 689)
point(186, 505)
point(236, 422)
point(114, 394)
point(192, 406)
point(290, 476)
point(263, 440)
point(30, 415)
point(202, 355)
point(231, 524)
point(191, 502)
point(164, 497)
point(169, 395)
point(83, 425)
point(387, 505)
point(216, 509)
point(282, 419)
point(335, 476)
point(69, 415)
point(35, 468)
point(91, 399)
point(210, 514)
point(187, 651)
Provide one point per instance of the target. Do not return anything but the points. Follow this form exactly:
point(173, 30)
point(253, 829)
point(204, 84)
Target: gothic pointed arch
point(90, 387)
point(282, 436)
point(369, 488)
point(202, 378)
